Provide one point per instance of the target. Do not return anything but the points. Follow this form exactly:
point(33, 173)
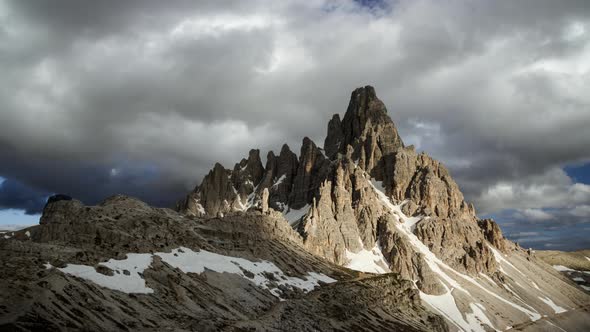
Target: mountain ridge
point(364, 234)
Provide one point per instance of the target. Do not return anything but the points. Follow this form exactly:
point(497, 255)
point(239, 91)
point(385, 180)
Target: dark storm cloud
point(15, 195)
point(142, 97)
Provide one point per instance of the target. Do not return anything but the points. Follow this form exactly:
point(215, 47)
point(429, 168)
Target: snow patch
point(445, 305)
point(28, 234)
point(378, 185)
point(552, 304)
point(476, 318)
point(279, 180)
point(500, 259)
point(371, 261)
point(199, 207)
point(578, 279)
point(585, 287)
point(189, 261)
point(436, 264)
point(132, 283)
point(562, 268)
point(294, 216)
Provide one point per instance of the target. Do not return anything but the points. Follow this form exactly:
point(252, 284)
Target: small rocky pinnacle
point(265, 200)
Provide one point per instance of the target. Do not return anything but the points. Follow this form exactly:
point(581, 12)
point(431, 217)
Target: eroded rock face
point(427, 183)
point(362, 151)
point(312, 171)
point(369, 130)
point(493, 234)
point(460, 243)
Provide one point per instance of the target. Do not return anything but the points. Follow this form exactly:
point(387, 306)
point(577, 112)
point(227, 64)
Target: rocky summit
point(364, 234)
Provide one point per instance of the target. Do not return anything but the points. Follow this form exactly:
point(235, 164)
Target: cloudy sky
point(142, 97)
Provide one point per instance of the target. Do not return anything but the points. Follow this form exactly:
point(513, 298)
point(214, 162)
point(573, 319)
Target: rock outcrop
point(336, 190)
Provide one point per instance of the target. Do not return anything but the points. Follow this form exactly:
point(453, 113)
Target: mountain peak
point(367, 128)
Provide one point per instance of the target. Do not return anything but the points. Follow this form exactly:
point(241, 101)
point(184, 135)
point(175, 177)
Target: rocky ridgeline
point(342, 210)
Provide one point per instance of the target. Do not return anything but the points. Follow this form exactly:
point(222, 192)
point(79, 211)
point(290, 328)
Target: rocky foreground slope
point(364, 234)
point(123, 265)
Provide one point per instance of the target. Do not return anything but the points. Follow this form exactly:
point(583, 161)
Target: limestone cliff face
point(338, 188)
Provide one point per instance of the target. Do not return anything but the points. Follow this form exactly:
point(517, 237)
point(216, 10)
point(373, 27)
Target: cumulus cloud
point(142, 97)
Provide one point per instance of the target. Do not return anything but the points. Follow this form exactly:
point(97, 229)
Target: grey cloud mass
point(142, 97)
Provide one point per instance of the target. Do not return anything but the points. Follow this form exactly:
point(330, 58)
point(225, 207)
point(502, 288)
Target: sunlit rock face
point(336, 189)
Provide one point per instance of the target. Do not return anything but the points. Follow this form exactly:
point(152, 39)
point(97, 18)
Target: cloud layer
point(142, 97)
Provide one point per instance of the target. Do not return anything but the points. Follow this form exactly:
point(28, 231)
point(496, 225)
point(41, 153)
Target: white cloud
point(535, 215)
point(552, 189)
point(581, 211)
point(498, 92)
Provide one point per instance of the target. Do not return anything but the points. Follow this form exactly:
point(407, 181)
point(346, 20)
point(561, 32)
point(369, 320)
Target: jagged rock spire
point(313, 169)
point(367, 128)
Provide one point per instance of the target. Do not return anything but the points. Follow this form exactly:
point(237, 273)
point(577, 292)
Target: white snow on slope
point(371, 261)
point(378, 185)
point(437, 265)
point(198, 206)
point(190, 261)
point(279, 180)
point(132, 283)
point(588, 258)
point(578, 279)
point(562, 268)
point(500, 259)
point(585, 287)
point(293, 215)
point(434, 263)
point(445, 305)
point(552, 304)
point(477, 317)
